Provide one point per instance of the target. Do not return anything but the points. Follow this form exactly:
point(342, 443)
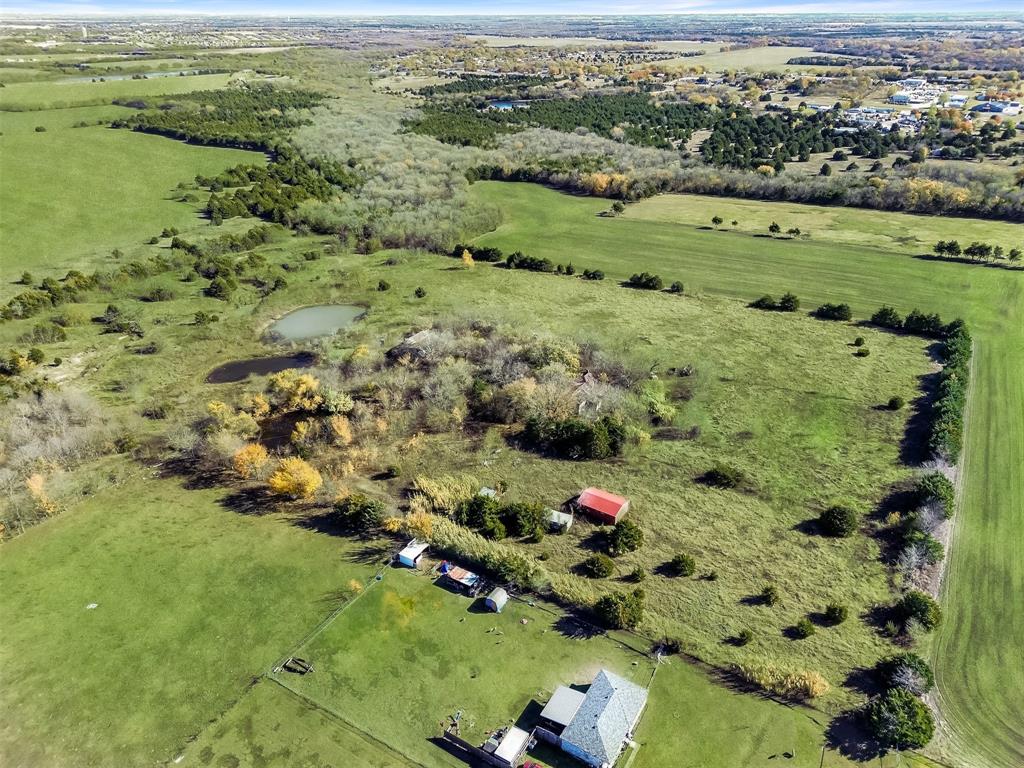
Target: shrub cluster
point(936, 487)
point(900, 720)
point(497, 521)
point(788, 303)
point(504, 561)
point(921, 607)
point(597, 566)
point(625, 536)
point(833, 312)
point(621, 610)
point(645, 281)
point(575, 438)
point(946, 440)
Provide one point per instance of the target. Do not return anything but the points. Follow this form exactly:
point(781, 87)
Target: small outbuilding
point(410, 555)
point(602, 506)
point(510, 746)
point(559, 522)
point(496, 600)
point(464, 581)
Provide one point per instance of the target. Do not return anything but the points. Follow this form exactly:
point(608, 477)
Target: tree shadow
point(195, 475)
point(753, 600)
point(254, 502)
point(595, 541)
point(863, 681)
point(809, 527)
point(576, 628)
point(846, 735)
point(914, 448)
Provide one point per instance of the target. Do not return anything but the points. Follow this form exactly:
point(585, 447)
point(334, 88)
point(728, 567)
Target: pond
point(238, 370)
point(504, 104)
point(312, 322)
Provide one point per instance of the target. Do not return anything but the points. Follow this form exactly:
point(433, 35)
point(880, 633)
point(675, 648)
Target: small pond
point(238, 370)
point(505, 104)
point(313, 322)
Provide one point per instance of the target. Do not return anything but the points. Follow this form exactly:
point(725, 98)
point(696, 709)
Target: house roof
point(563, 706)
point(608, 712)
point(602, 501)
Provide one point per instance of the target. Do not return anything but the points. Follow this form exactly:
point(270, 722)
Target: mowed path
point(977, 651)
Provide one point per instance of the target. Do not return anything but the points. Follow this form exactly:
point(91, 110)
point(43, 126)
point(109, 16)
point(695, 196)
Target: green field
point(978, 689)
point(20, 97)
point(72, 195)
point(409, 653)
point(194, 600)
point(833, 225)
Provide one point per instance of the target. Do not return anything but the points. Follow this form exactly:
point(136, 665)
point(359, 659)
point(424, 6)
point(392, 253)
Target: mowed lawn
point(977, 650)
point(69, 196)
point(193, 601)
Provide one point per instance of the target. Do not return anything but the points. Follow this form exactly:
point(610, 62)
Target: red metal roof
point(602, 501)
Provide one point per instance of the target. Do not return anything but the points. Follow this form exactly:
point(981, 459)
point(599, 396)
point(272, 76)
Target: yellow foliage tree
point(256, 405)
point(341, 427)
point(249, 460)
point(295, 477)
point(467, 259)
point(36, 488)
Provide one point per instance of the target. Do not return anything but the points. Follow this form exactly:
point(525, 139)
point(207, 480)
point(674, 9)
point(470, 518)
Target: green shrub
point(899, 720)
point(360, 512)
point(859, 341)
point(625, 536)
point(621, 610)
point(744, 637)
point(788, 303)
point(645, 281)
point(597, 566)
point(838, 521)
point(803, 628)
point(935, 486)
point(836, 613)
point(420, 292)
point(833, 312)
point(906, 670)
point(676, 287)
point(887, 317)
point(638, 575)
point(862, 352)
point(770, 595)
point(682, 565)
point(896, 403)
point(921, 607)
point(383, 285)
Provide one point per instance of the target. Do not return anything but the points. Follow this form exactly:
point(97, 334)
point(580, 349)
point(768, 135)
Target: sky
point(504, 7)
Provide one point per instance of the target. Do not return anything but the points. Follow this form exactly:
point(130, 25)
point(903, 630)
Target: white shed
point(412, 552)
point(559, 522)
point(496, 600)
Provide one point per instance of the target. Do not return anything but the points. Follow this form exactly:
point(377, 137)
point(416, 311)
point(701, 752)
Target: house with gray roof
point(600, 722)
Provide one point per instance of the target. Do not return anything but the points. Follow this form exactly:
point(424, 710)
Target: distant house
point(602, 506)
point(558, 522)
point(412, 552)
point(459, 578)
point(595, 726)
point(496, 600)
point(900, 98)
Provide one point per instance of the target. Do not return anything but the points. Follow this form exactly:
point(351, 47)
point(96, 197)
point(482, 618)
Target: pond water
point(238, 370)
point(313, 322)
point(504, 104)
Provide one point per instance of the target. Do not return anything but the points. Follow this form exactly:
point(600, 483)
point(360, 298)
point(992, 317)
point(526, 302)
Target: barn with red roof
point(602, 506)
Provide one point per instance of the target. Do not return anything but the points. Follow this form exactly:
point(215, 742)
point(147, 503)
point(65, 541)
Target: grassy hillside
point(18, 97)
point(985, 573)
point(72, 195)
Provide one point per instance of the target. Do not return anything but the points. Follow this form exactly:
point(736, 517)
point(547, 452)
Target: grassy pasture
point(193, 601)
point(984, 574)
point(156, 529)
point(899, 233)
point(19, 97)
point(71, 195)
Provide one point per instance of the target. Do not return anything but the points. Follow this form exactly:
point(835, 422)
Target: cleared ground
point(985, 627)
point(72, 195)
